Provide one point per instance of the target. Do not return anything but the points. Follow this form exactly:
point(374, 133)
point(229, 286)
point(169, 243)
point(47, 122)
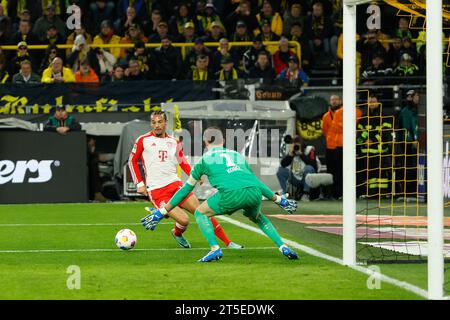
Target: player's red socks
point(219, 232)
point(179, 229)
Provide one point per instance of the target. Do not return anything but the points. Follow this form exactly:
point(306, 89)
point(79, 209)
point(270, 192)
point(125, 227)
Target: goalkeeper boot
point(212, 255)
point(181, 240)
point(234, 245)
point(288, 252)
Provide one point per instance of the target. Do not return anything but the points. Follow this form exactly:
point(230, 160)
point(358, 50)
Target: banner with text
point(138, 96)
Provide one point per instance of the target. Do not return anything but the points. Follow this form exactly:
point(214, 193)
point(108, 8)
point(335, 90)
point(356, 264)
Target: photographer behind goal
point(298, 162)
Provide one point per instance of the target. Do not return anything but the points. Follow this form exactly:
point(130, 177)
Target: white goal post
point(355, 2)
point(434, 118)
point(434, 114)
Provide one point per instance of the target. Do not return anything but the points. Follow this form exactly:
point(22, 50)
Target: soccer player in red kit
point(160, 154)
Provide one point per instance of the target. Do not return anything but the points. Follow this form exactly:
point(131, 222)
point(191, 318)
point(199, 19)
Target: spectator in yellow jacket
point(107, 36)
point(276, 22)
point(71, 38)
point(56, 73)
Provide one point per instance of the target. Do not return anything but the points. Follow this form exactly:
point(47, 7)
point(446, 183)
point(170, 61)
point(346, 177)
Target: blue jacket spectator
point(294, 73)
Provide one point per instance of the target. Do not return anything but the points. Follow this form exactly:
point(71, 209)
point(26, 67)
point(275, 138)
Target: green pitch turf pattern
point(39, 243)
point(331, 244)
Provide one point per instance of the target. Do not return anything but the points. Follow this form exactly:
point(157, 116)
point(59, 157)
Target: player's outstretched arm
point(156, 215)
point(181, 194)
point(151, 220)
point(289, 205)
point(286, 204)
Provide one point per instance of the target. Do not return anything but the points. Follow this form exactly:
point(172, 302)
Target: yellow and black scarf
point(4, 3)
point(4, 76)
point(181, 22)
point(225, 76)
point(318, 25)
point(199, 76)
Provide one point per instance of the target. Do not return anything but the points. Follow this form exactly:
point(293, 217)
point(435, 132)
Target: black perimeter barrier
point(42, 167)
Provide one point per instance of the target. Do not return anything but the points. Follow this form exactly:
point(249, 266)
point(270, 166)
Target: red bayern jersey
point(160, 158)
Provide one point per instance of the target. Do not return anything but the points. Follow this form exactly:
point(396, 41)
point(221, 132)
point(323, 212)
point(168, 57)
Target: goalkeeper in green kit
point(238, 188)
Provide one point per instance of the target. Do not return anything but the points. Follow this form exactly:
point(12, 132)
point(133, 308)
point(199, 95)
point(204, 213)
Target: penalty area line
point(123, 224)
point(6, 225)
point(401, 284)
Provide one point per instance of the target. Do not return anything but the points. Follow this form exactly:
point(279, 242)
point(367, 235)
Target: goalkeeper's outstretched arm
point(179, 196)
point(288, 205)
point(151, 221)
point(268, 193)
point(265, 190)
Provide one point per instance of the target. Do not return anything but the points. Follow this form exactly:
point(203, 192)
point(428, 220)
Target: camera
point(296, 147)
point(288, 139)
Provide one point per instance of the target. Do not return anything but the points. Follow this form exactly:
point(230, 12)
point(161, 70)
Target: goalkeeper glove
point(289, 205)
point(151, 221)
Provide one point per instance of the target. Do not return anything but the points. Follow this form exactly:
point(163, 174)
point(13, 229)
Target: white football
point(126, 239)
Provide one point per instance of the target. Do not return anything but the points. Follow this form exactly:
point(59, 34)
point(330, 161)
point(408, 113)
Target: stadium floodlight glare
point(355, 2)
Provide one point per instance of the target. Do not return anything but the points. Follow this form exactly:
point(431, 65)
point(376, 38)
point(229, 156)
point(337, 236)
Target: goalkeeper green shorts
point(249, 199)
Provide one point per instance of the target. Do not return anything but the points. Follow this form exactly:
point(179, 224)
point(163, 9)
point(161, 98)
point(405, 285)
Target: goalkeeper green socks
point(206, 227)
point(267, 227)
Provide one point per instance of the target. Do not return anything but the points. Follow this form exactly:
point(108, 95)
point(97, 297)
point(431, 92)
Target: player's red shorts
point(164, 194)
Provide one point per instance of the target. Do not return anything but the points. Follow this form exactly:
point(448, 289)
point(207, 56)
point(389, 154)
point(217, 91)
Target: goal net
point(390, 180)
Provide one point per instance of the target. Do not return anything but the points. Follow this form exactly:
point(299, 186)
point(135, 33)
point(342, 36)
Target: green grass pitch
point(39, 243)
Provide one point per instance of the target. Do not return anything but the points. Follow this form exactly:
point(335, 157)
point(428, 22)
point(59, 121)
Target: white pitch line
point(118, 250)
point(5, 225)
point(404, 285)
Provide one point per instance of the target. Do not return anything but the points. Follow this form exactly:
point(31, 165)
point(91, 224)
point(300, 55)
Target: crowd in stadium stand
point(315, 24)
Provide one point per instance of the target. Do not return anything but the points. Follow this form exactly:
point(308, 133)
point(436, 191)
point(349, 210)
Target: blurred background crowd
point(387, 55)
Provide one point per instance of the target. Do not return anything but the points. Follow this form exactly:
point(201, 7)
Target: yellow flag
point(177, 130)
point(176, 120)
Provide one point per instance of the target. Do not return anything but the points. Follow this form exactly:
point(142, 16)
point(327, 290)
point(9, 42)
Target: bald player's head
point(213, 137)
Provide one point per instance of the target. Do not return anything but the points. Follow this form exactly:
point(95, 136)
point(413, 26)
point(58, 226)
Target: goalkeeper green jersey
point(226, 170)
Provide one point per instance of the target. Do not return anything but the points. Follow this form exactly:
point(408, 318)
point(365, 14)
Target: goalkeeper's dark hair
point(159, 113)
point(214, 135)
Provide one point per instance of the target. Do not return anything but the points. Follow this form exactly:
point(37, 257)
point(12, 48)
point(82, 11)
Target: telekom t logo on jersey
point(162, 155)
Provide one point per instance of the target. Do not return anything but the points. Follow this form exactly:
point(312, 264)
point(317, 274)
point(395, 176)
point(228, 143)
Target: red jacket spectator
point(281, 56)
